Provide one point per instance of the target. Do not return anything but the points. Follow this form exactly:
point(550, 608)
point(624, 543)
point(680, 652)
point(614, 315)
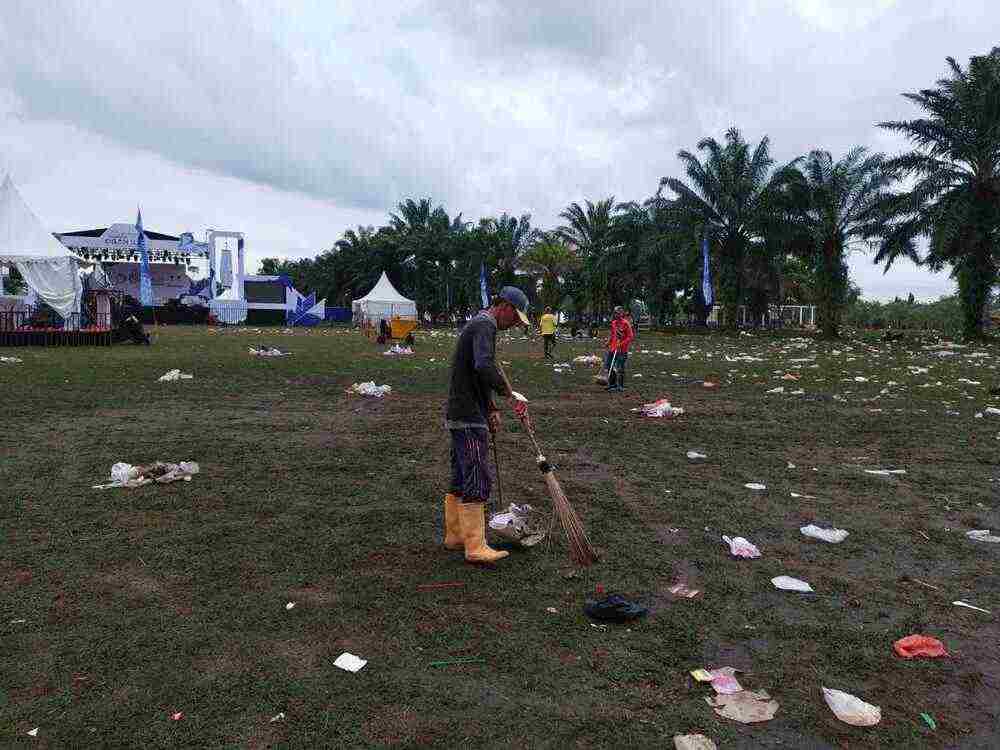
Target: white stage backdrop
point(169, 281)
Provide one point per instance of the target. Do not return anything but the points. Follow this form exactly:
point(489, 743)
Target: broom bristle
point(580, 549)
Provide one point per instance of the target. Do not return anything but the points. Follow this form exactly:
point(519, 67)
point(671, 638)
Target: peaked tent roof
point(384, 291)
point(22, 236)
point(100, 232)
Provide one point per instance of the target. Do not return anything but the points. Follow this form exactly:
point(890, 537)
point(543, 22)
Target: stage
point(56, 337)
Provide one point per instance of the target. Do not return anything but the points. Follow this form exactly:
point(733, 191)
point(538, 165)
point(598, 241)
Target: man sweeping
point(471, 414)
point(621, 336)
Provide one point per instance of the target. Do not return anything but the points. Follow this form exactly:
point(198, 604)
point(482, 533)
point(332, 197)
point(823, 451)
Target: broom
point(580, 548)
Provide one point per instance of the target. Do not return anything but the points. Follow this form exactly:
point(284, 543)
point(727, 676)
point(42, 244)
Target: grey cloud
point(481, 104)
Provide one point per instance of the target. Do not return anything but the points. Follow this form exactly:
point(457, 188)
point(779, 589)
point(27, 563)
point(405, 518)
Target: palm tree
point(551, 260)
point(831, 206)
point(954, 200)
point(730, 197)
point(591, 231)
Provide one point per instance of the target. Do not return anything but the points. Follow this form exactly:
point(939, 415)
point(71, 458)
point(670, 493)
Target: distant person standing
point(547, 324)
point(618, 343)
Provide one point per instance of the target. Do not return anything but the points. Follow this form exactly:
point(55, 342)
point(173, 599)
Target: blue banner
point(706, 274)
point(483, 290)
point(145, 282)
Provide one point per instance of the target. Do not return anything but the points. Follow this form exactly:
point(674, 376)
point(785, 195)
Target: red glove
point(520, 408)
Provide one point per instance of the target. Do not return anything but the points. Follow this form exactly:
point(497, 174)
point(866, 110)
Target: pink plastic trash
point(919, 645)
point(740, 547)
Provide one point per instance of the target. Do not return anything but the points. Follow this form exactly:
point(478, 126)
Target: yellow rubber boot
point(474, 533)
point(452, 523)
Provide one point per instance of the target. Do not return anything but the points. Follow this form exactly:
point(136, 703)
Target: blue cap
point(518, 299)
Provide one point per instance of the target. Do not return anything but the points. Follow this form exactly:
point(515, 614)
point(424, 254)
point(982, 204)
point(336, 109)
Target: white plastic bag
point(787, 583)
point(851, 709)
point(350, 662)
point(122, 472)
point(982, 535)
point(693, 742)
point(833, 536)
point(370, 389)
point(740, 547)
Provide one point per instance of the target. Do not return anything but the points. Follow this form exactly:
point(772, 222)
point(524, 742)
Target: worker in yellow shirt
point(548, 325)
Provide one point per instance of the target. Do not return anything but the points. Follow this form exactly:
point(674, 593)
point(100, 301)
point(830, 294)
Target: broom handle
point(526, 422)
point(496, 462)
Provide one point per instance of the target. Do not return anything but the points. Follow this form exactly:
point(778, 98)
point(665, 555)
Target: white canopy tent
point(383, 302)
point(46, 266)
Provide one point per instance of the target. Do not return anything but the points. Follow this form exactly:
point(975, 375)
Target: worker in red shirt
point(621, 336)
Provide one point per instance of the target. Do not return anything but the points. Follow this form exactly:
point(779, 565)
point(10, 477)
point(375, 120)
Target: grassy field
point(121, 607)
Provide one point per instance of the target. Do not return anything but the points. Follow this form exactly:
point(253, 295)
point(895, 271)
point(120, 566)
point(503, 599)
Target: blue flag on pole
point(706, 274)
point(483, 291)
point(145, 281)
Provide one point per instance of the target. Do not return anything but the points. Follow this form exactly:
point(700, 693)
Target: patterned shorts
point(470, 464)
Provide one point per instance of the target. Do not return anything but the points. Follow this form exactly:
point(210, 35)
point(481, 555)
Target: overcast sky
point(294, 125)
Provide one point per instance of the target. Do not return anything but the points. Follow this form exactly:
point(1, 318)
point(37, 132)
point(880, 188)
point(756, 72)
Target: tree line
point(776, 233)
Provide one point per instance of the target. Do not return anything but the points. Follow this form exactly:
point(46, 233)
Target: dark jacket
point(474, 374)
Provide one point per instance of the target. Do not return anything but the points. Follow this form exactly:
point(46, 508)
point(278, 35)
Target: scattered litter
point(740, 547)
point(913, 646)
point(614, 608)
point(268, 351)
point(396, 350)
point(803, 497)
point(790, 465)
point(851, 709)
point(746, 707)
point(694, 455)
point(884, 472)
point(637, 375)
point(588, 359)
point(860, 379)
point(279, 717)
point(552, 610)
point(790, 376)
point(833, 536)
point(177, 716)
point(755, 486)
point(724, 681)
point(992, 411)
point(701, 675)
point(787, 583)
point(929, 720)
point(970, 606)
point(350, 662)
point(126, 475)
point(521, 524)
point(682, 591)
point(661, 408)
point(370, 389)
point(693, 742)
point(290, 605)
point(33, 732)
point(779, 389)
point(175, 375)
point(18, 622)
point(982, 535)
point(11, 360)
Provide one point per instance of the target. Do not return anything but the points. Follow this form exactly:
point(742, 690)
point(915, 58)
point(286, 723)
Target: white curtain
point(56, 281)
